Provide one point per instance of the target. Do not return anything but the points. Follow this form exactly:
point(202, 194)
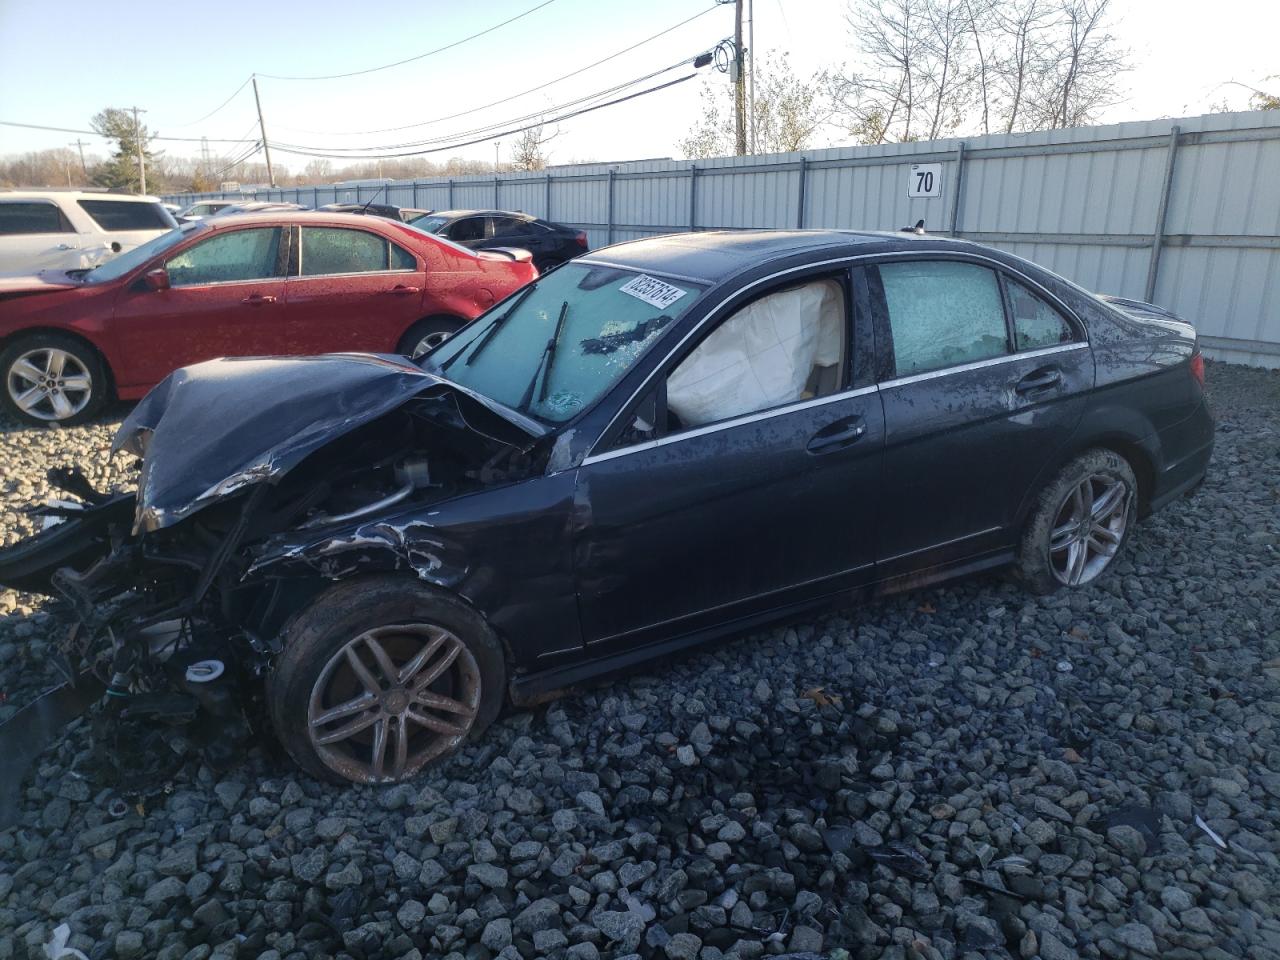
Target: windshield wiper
point(486, 338)
point(547, 360)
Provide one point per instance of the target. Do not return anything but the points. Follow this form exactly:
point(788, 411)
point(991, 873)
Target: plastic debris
point(1143, 819)
point(902, 858)
point(1209, 830)
point(57, 949)
point(117, 808)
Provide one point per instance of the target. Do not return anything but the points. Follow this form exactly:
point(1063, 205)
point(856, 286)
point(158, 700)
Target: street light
point(496, 145)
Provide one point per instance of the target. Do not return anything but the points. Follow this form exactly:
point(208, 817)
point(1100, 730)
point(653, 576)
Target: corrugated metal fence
point(1185, 213)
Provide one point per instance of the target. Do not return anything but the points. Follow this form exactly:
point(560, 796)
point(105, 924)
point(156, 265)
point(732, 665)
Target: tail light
point(581, 238)
point(1197, 368)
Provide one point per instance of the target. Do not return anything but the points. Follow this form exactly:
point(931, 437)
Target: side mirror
point(157, 279)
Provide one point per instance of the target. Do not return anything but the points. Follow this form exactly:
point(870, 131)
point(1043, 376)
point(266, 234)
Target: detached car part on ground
point(668, 441)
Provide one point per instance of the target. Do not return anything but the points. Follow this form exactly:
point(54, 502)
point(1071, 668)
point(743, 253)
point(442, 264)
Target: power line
point(153, 136)
point(524, 93)
point(421, 56)
point(502, 133)
point(217, 108)
point(487, 128)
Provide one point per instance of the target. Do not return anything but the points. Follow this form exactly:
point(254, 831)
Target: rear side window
point(252, 254)
point(18, 218)
point(943, 314)
point(332, 250)
point(469, 228)
point(510, 227)
point(126, 215)
point(402, 259)
point(1035, 323)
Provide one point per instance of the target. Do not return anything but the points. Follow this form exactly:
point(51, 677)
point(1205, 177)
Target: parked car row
point(647, 448)
point(268, 283)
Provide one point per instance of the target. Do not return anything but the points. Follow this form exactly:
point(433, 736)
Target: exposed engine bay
point(180, 601)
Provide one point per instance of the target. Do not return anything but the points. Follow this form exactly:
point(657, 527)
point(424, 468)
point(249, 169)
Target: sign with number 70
point(924, 180)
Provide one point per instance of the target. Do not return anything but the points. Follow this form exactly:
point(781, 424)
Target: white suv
point(73, 230)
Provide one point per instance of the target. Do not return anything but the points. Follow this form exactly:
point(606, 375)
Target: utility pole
point(739, 87)
point(83, 169)
point(142, 163)
point(751, 73)
point(271, 177)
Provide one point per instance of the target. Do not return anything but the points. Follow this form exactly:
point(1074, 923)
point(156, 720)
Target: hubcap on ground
point(391, 700)
point(49, 384)
point(429, 342)
point(1088, 529)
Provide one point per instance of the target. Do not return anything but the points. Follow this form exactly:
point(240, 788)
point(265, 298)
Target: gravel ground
point(964, 771)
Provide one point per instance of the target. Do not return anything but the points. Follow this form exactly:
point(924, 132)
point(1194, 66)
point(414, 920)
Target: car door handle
point(258, 299)
point(835, 436)
point(68, 246)
point(401, 290)
point(1041, 379)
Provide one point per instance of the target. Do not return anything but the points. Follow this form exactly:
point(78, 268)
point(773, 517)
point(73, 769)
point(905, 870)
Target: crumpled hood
point(208, 430)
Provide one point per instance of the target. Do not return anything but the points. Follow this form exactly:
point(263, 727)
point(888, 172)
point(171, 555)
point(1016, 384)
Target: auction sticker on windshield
point(652, 290)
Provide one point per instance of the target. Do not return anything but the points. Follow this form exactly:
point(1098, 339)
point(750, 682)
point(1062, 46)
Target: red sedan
point(266, 284)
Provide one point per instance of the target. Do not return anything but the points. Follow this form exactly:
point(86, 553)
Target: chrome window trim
point(979, 364)
point(847, 261)
point(738, 421)
point(358, 273)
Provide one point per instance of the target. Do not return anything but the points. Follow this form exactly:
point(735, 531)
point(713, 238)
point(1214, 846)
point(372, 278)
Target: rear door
point(225, 299)
point(351, 289)
point(36, 235)
point(983, 381)
point(749, 481)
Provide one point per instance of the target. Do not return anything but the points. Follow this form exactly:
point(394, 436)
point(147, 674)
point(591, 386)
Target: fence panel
point(1183, 212)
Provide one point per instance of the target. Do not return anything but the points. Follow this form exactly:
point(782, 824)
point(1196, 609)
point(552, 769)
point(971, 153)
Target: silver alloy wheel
point(429, 342)
point(1088, 529)
point(49, 384)
point(391, 700)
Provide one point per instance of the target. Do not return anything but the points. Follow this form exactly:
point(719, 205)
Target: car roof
point(74, 195)
point(710, 256)
point(454, 214)
point(301, 216)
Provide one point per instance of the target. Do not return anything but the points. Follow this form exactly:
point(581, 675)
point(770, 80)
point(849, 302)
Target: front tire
point(382, 676)
point(426, 335)
point(1079, 524)
point(51, 378)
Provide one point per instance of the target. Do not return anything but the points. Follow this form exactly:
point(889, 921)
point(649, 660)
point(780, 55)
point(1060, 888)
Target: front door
point(983, 382)
point(759, 488)
point(225, 299)
point(354, 290)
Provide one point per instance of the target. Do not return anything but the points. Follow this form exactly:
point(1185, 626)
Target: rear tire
point(1079, 523)
point(427, 335)
point(382, 676)
point(52, 378)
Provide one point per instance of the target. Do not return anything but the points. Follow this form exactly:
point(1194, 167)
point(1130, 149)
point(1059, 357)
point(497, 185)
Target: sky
point(181, 61)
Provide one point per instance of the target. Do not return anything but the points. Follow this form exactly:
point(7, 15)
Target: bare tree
point(788, 112)
point(932, 68)
point(528, 152)
point(917, 69)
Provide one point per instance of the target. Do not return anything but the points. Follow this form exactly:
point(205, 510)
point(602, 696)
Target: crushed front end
point(180, 591)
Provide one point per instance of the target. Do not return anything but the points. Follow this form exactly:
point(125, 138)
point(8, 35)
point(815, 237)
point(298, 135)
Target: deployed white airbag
point(761, 357)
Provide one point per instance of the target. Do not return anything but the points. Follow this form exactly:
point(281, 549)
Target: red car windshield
point(118, 267)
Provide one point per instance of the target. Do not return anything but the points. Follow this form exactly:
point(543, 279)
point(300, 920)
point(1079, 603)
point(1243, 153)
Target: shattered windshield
point(557, 345)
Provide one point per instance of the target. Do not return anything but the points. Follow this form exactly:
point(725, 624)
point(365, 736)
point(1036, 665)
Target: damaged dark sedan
point(657, 444)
